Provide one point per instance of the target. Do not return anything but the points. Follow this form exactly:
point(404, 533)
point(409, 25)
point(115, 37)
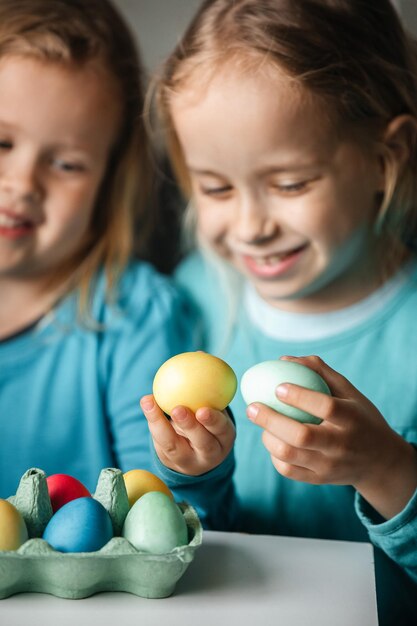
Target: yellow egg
point(13, 531)
point(139, 481)
point(194, 380)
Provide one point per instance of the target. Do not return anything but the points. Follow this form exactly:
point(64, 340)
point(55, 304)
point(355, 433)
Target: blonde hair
point(353, 54)
point(74, 33)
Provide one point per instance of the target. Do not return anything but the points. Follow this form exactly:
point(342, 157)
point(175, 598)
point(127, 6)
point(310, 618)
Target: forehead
point(93, 70)
point(77, 99)
point(262, 111)
point(196, 76)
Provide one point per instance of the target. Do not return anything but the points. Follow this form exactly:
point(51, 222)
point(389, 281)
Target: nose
point(254, 223)
point(19, 177)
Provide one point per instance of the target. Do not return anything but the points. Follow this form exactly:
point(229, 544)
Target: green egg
point(259, 382)
point(155, 524)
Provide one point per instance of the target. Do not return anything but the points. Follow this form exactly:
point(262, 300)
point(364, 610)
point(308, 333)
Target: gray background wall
point(408, 11)
point(159, 23)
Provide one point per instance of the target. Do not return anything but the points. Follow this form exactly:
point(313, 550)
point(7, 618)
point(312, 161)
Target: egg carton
point(117, 566)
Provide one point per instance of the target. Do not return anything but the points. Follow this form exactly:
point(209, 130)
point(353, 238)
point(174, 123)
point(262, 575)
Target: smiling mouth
point(7, 221)
point(273, 265)
point(273, 259)
point(15, 226)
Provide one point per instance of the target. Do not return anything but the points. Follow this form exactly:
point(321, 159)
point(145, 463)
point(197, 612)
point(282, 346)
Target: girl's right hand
point(189, 443)
point(353, 445)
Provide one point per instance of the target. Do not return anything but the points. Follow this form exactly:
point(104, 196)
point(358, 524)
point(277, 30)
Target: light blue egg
point(82, 525)
point(259, 382)
point(155, 524)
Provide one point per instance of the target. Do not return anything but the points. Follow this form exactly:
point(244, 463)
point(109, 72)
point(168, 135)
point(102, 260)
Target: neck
point(335, 295)
point(22, 302)
point(346, 290)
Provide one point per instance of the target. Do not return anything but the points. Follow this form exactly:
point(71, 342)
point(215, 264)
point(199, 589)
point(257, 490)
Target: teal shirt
point(373, 344)
point(69, 395)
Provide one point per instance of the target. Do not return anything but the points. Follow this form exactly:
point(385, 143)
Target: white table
point(235, 579)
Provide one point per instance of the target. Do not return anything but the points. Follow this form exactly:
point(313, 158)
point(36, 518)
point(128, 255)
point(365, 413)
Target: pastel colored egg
point(194, 380)
point(259, 382)
point(13, 531)
point(63, 488)
point(155, 524)
point(82, 525)
point(140, 481)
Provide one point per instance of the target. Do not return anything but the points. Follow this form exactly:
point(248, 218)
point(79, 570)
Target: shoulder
point(191, 266)
point(147, 321)
point(208, 287)
point(142, 295)
point(141, 284)
point(197, 278)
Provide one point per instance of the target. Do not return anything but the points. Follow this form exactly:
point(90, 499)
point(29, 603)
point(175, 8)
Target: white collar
point(289, 326)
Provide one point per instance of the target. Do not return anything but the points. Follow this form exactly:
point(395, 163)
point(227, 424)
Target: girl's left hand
point(353, 445)
point(189, 444)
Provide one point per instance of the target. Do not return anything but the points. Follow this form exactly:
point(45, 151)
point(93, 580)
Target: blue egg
point(82, 525)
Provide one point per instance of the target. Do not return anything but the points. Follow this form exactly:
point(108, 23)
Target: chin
point(276, 298)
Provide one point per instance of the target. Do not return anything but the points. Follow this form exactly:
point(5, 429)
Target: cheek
point(211, 222)
point(213, 230)
point(76, 208)
point(337, 216)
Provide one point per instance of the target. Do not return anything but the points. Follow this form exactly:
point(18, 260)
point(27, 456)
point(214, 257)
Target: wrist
point(391, 485)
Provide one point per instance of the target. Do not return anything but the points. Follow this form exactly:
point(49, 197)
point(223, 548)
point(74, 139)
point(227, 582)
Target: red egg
point(63, 488)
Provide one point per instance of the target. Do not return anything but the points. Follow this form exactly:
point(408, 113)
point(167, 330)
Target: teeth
point(271, 260)
point(10, 222)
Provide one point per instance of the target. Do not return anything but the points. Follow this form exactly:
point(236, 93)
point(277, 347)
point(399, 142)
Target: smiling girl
point(83, 326)
point(292, 128)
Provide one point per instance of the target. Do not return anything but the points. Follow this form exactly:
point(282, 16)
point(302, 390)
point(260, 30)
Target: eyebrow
point(8, 125)
point(266, 170)
point(204, 172)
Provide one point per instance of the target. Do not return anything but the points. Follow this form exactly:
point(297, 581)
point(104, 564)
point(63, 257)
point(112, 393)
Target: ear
point(399, 139)
point(395, 148)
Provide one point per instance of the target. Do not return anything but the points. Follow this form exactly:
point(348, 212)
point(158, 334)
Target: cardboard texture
point(118, 566)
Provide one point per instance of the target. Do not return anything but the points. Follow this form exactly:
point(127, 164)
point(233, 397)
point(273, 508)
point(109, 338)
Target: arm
point(154, 325)
point(353, 445)
point(396, 536)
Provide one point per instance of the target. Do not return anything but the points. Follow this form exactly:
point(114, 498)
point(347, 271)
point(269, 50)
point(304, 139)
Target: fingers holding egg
point(193, 388)
point(198, 434)
point(319, 405)
point(219, 424)
point(340, 386)
point(259, 384)
point(284, 452)
point(194, 380)
point(161, 429)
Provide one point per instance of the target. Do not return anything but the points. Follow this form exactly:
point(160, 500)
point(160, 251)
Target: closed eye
point(291, 187)
point(67, 166)
point(216, 191)
point(5, 145)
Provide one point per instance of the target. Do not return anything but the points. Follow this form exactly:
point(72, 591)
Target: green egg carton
point(117, 566)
